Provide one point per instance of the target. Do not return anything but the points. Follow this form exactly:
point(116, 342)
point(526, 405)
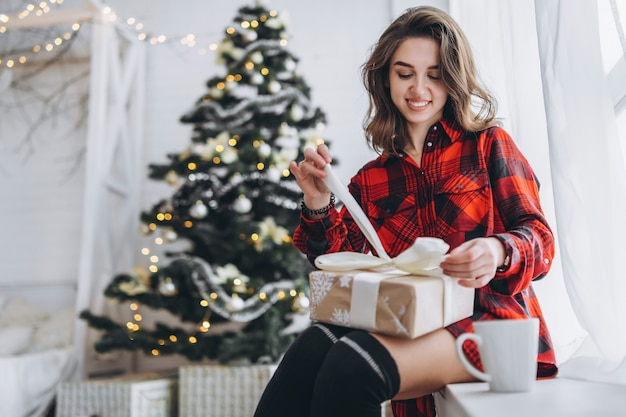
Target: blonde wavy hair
point(472, 106)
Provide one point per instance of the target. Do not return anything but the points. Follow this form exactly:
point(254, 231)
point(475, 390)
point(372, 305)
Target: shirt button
point(429, 144)
point(547, 261)
point(434, 127)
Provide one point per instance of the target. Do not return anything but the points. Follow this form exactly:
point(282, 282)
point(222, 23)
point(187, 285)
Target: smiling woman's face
point(415, 82)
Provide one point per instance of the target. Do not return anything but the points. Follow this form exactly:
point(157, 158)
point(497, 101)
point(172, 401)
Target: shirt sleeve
point(336, 232)
point(528, 239)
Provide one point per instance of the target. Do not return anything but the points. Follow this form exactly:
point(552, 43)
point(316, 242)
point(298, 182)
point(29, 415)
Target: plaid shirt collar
point(450, 128)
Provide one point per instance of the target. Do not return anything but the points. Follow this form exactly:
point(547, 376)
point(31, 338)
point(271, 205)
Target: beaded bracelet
point(324, 210)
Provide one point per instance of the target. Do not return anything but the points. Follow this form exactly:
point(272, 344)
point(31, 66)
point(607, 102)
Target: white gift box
point(150, 394)
point(221, 391)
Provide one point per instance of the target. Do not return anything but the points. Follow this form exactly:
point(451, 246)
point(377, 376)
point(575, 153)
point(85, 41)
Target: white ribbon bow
point(422, 258)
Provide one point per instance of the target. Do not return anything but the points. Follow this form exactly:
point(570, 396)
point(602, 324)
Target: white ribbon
point(364, 295)
point(422, 258)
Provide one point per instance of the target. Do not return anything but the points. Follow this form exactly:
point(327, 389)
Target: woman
point(445, 170)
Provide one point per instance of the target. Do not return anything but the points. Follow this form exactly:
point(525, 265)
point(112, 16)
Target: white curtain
point(542, 61)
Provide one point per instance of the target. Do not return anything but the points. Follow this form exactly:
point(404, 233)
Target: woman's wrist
point(317, 211)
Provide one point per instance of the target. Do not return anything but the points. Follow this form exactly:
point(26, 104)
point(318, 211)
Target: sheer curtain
point(542, 61)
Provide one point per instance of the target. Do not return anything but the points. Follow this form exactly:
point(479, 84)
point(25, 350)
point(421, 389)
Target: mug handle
point(459, 351)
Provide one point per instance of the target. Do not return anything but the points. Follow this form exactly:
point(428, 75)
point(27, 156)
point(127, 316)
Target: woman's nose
point(418, 86)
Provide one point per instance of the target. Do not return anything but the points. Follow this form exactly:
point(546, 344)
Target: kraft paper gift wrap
point(392, 303)
point(406, 296)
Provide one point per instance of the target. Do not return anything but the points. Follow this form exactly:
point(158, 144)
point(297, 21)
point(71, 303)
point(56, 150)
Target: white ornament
point(167, 287)
point(216, 93)
point(170, 235)
point(290, 65)
point(235, 304)
point(171, 177)
point(256, 57)
point(296, 113)
point(242, 205)
point(250, 35)
point(273, 174)
point(229, 155)
point(274, 87)
point(264, 150)
point(300, 304)
point(256, 79)
point(198, 210)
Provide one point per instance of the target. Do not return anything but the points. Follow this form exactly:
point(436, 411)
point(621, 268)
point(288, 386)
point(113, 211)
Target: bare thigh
point(426, 364)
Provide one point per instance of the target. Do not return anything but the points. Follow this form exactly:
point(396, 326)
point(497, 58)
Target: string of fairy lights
point(37, 10)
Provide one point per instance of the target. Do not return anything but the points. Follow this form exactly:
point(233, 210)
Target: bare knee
point(425, 364)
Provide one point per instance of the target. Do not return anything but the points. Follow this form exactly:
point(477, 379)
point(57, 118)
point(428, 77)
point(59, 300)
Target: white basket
point(221, 391)
point(135, 395)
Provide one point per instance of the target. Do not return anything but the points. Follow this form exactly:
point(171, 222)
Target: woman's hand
point(309, 174)
point(475, 261)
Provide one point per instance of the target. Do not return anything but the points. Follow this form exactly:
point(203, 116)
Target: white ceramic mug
point(508, 352)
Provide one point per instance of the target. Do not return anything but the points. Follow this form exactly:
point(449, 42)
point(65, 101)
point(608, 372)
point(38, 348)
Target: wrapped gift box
point(149, 394)
point(224, 391)
point(392, 303)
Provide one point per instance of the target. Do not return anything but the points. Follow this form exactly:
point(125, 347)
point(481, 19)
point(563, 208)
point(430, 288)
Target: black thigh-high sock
point(358, 375)
point(289, 392)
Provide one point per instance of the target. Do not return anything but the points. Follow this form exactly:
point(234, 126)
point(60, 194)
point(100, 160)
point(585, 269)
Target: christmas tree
point(235, 204)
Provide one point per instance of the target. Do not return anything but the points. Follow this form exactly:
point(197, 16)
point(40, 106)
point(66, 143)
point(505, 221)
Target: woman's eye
point(404, 76)
point(434, 76)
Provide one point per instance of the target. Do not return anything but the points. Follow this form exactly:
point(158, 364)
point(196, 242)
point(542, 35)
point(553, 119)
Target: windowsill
point(558, 397)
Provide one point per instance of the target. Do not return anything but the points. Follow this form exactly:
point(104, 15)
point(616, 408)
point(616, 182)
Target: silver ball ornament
point(274, 87)
point(300, 304)
point(198, 211)
point(235, 304)
point(167, 287)
point(242, 205)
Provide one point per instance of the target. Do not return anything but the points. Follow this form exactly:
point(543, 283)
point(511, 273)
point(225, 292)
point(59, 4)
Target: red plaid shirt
point(469, 185)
